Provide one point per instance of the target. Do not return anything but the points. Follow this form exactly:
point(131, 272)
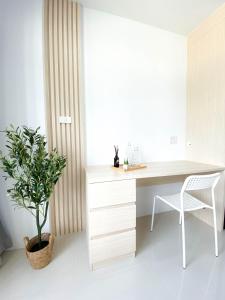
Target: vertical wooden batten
point(63, 98)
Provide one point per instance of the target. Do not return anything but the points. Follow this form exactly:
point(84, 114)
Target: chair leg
point(215, 231)
point(180, 219)
point(183, 240)
point(153, 213)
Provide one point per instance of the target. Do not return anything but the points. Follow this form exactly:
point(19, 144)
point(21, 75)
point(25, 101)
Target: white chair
point(184, 202)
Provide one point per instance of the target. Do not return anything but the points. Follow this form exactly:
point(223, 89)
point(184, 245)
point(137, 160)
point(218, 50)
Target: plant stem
point(45, 215)
point(38, 227)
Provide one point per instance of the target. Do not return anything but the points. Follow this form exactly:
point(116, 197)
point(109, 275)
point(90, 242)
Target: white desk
point(111, 205)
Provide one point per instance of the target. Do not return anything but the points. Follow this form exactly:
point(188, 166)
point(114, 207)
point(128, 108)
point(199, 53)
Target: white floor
point(155, 273)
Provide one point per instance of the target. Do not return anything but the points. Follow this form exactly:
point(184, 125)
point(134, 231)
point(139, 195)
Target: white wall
point(21, 90)
point(134, 86)
point(135, 90)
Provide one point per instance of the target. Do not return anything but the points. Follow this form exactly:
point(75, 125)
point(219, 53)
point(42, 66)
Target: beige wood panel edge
point(82, 109)
point(206, 54)
point(207, 24)
point(45, 13)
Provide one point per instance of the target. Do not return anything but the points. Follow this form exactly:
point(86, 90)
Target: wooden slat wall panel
point(63, 98)
point(206, 101)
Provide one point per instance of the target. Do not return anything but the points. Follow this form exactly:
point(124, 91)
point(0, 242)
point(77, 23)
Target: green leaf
point(34, 170)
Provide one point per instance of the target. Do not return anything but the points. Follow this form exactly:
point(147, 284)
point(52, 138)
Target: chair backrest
point(200, 182)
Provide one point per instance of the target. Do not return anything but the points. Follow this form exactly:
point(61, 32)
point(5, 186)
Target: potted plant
point(125, 164)
point(34, 173)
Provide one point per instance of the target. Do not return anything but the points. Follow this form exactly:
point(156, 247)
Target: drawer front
point(112, 219)
point(111, 193)
point(112, 246)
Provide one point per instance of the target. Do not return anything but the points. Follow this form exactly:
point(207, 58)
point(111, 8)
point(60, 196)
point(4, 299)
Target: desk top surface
point(103, 173)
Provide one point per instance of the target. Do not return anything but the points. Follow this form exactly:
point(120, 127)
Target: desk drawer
point(112, 246)
point(111, 193)
point(112, 219)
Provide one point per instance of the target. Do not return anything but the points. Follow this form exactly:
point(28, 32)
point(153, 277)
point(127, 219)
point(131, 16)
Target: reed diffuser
point(116, 158)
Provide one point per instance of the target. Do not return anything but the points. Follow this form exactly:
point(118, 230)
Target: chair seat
point(190, 202)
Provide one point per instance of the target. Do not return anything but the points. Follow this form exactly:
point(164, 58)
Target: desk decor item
point(133, 154)
point(125, 164)
point(130, 168)
point(116, 158)
point(34, 173)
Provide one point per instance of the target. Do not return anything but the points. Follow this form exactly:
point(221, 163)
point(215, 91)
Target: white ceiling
point(180, 16)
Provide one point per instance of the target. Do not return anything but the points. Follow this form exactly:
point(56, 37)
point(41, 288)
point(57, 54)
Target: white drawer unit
point(111, 246)
point(112, 219)
point(111, 193)
point(111, 206)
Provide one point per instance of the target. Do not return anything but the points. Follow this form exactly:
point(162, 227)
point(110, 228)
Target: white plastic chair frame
point(194, 183)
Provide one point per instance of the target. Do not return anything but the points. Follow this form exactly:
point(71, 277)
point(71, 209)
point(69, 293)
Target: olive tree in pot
point(34, 173)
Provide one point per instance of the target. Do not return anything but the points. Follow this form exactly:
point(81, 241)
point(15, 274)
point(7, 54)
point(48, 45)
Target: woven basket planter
point(41, 258)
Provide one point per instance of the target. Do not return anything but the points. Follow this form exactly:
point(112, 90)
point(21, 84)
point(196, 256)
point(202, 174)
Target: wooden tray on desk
point(130, 168)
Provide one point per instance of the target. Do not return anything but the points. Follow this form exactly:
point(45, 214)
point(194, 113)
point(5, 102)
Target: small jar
point(125, 167)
